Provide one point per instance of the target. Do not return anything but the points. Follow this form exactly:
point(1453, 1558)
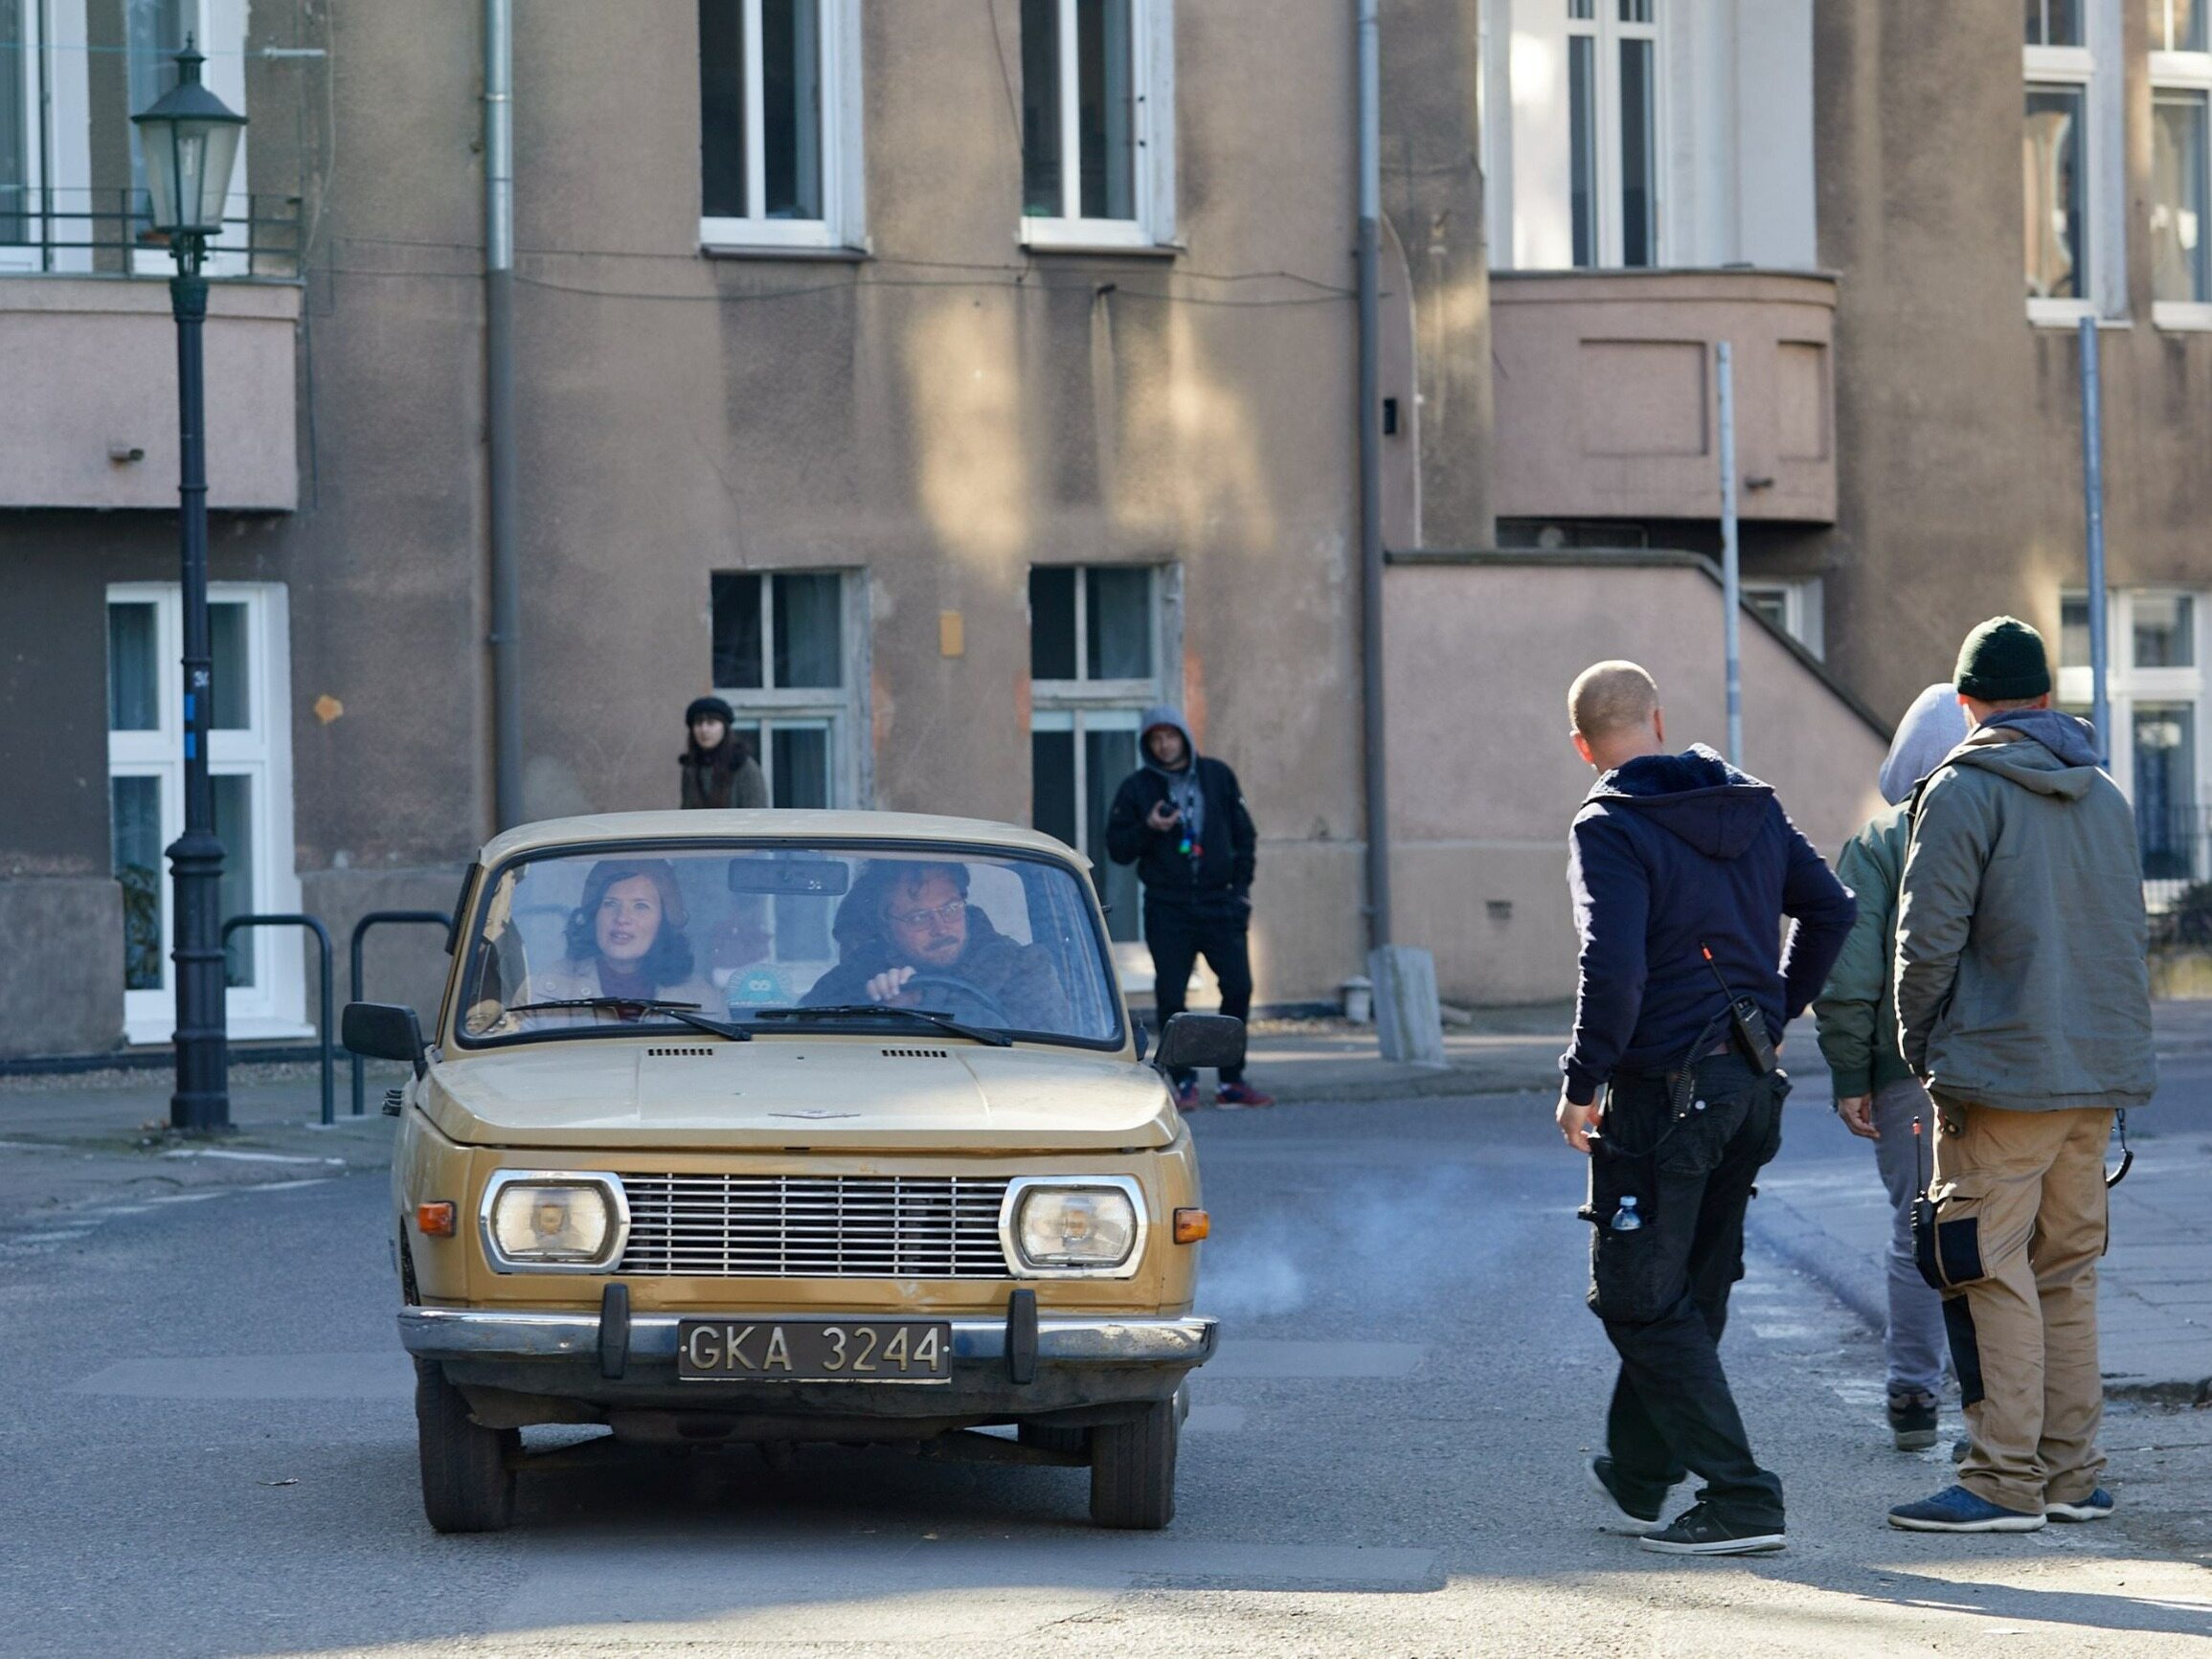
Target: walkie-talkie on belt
point(1749, 1020)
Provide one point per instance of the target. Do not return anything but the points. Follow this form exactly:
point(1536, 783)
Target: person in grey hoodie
point(1877, 1096)
point(2024, 1003)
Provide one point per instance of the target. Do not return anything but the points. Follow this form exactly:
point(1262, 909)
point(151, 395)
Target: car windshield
point(939, 941)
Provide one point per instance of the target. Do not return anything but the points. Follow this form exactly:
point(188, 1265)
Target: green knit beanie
point(2003, 660)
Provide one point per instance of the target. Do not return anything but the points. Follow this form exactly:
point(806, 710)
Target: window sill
point(2181, 317)
point(1095, 237)
point(770, 251)
point(2067, 314)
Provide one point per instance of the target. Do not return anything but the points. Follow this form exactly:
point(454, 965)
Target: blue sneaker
point(1956, 1510)
point(2094, 1508)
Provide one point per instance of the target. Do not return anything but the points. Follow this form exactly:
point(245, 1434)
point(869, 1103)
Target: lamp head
point(189, 141)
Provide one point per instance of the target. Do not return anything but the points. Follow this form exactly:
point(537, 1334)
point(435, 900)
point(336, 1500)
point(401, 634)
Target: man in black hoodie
point(1179, 818)
point(1682, 869)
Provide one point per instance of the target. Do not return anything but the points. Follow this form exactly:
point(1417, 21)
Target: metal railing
point(78, 232)
point(2177, 847)
point(375, 919)
point(329, 1031)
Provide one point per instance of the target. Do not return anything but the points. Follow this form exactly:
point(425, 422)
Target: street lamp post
point(189, 141)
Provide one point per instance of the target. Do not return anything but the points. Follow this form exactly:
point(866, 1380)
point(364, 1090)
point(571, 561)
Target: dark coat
point(1018, 978)
point(1669, 853)
point(727, 776)
point(1219, 869)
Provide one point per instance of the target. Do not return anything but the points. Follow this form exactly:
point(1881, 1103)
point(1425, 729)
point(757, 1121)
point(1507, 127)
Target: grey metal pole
point(500, 461)
point(202, 1101)
point(1372, 727)
point(2093, 512)
point(1731, 562)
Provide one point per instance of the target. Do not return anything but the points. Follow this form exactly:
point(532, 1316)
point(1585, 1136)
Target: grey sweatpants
point(1914, 1344)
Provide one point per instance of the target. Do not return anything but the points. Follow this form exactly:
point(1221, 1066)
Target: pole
point(1370, 151)
point(2093, 513)
point(500, 461)
point(202, 1101)
point(1731, 562)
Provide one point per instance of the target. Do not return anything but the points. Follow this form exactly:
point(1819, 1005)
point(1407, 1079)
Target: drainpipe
point(1370, 147)
point(499, 410)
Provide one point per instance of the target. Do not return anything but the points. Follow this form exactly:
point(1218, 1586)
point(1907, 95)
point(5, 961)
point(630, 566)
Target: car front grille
point(814, 1227)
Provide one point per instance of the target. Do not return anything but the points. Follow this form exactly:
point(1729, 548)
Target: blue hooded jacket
point(1672, 853)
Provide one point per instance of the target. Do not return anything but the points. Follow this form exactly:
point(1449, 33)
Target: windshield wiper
point(876, 1010)
point(687, 1012)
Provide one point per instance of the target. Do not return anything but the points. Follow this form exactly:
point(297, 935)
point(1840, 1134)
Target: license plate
point(814, 1351)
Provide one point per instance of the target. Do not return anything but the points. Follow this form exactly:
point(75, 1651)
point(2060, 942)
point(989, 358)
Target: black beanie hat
point(2003, 660)
point(709, 708)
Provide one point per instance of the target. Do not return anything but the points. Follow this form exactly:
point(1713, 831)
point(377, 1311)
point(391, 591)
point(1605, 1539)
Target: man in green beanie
point(2024, 1003)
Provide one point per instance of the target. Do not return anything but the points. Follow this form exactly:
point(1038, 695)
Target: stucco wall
point(1483, 779)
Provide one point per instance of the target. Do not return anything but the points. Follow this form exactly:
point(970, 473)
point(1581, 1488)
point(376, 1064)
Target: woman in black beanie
point(719, 770)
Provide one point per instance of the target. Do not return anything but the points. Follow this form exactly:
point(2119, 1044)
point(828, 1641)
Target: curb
point(1800, 1246)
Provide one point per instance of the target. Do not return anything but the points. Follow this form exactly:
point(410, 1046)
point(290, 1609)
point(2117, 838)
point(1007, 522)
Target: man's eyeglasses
point(946, 914)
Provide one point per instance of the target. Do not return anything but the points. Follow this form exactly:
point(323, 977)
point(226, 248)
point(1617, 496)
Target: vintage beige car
point(763, 1127)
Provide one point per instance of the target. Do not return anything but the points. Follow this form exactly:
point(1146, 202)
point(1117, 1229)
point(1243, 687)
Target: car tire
point(1053, 1437)
point(467, 1472)
point(1133, 1469)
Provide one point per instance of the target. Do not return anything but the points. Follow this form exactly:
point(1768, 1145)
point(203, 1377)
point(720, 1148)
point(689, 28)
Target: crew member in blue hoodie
point(1682, 869)
point(1179, 818)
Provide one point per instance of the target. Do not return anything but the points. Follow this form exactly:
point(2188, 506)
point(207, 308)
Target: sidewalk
point(1505, 1050)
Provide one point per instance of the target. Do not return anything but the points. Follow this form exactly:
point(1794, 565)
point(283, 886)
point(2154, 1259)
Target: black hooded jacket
point(1669, 853)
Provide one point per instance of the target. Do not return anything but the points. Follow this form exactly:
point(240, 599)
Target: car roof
point(787, 824)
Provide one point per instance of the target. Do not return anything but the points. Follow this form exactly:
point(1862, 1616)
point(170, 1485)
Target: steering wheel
point(994, 1010)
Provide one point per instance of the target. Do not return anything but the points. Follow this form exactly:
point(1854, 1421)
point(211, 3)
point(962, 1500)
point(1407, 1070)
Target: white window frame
point(30, 62)
point(274, 1006)
point(57, 100)
point(1081, 706)
point(840, 709)
point(2125, 686)
point(1605, 30)
point(1801, 609)
point(1152, 93)
point(844, 223)
point(2094, 67)
point(2189, 72)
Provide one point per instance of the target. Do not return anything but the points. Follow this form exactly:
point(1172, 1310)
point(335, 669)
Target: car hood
point(825, 1094)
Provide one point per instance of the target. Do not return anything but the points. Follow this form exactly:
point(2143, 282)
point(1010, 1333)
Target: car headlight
point(1075, 1226)
point(553, 1221)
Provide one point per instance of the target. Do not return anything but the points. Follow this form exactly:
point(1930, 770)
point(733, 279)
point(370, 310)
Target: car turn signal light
point(1192, 1225)
point(434, 1221)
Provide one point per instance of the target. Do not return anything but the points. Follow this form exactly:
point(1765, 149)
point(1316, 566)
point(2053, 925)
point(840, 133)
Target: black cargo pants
point(1662, 1288)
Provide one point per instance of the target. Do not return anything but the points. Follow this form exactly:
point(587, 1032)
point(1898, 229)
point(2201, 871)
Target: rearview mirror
point(383, 1031)
point(1193, 1039)
point(783, 877)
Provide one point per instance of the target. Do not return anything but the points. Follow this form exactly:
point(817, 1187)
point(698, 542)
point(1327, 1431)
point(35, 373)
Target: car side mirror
point(1193, 1039)
point(384, 1031)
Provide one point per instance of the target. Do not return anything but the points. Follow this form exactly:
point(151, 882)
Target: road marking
point(1780, 1332)
point(1253, 1357)
point(51, 1238)
point(384, 1375)
point(248, 1157)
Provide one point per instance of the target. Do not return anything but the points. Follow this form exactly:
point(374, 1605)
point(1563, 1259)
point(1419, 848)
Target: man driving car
point(907, 938)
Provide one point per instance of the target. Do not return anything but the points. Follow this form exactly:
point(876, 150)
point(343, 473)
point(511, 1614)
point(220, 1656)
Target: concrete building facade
point(942, 383)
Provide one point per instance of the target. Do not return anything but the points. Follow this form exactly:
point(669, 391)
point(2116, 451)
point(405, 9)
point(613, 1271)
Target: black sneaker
point(1628, 1516)
point(1912, 1419)
point(1699, 1530)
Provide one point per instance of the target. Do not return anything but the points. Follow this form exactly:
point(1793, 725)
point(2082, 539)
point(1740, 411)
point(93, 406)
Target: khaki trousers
point(2023, 1333)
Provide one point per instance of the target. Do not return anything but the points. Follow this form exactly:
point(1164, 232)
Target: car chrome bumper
point(1096, 1339)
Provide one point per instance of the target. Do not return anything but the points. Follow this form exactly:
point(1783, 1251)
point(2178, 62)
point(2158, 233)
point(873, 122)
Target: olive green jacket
point(2022, 978)
point(1855, 1011)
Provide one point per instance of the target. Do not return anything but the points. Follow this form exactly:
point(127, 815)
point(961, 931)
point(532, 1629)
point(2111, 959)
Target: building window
point(2070, 156)
point(1097, 123)
point(779, 145)
point(2155, 692)
point(1098, 645)
point(785, 649)
point(1793, 608)
point(2180, 149)
point(1613, 98)
point(249, 765)
point(19, 65)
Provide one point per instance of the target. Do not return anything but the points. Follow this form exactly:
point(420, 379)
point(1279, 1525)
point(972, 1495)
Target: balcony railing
point(90, 233)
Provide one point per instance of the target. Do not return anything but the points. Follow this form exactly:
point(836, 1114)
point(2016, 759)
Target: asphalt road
point(208, 1449)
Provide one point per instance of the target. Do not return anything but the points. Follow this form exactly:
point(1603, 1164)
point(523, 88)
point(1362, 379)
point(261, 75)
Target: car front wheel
point(467, 1474)
point(1133, 1469)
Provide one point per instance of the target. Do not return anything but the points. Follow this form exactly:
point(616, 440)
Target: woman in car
point(624, 939)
